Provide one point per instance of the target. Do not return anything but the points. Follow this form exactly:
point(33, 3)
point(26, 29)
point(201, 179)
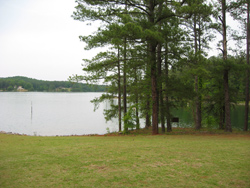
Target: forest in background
point(154, 57)
point(30, 84)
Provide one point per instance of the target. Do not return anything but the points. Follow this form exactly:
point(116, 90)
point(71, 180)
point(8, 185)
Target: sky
point(39, 39)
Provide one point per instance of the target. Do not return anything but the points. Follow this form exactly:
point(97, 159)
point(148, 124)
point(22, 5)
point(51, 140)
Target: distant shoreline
point(52, 91)
point(24, 84)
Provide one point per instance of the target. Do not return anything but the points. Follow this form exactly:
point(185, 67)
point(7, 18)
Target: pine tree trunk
point(169, 127)
point(161, 104)
point(197, 100)
point(197, 105)
point(222, 118)
point(125, 81)
point(228, 127)
point(136, 101)
point(148, 98)
point(199, 113)
point(119, 92)
point(125, 76)
point(152, 51)
point(137, 117)
point(148, 122)
point(221, 112)
point(159, 79)
point(154, 89)
point(247, 72)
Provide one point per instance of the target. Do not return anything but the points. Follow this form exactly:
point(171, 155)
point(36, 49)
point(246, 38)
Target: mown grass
point(198, 160)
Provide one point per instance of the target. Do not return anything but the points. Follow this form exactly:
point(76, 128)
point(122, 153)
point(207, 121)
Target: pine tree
point(221, 26)
point(138, 22)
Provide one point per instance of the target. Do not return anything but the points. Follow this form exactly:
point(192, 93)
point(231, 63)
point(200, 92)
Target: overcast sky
point(39, 39)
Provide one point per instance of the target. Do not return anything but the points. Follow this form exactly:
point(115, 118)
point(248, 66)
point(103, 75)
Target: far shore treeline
point(20, 83)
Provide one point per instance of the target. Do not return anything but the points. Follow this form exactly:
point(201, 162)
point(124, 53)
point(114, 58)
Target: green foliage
point(210, 121)
point(129, 119)
point(10, 88)
point(108, 130)
point(214, 91)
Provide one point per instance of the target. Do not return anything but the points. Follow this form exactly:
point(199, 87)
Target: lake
point(50, 114)
point(186, 117)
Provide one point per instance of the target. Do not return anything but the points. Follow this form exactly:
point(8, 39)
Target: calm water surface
point(186, 117)
point(49, 114)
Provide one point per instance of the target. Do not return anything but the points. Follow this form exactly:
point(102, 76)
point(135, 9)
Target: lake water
point(186, 117)
point(50, 114)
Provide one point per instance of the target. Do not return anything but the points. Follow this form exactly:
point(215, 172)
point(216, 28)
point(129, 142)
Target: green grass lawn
point(125, 161)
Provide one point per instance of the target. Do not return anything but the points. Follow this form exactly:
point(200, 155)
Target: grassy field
point(200, 160)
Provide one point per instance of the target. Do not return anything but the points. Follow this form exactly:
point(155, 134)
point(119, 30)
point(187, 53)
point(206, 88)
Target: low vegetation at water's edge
point(125, 161)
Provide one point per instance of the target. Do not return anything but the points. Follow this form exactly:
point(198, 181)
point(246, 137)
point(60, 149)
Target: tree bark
point(228, 127)
point(119, 92)
point(125, 81)
point(136, 101)
point(125, 77)
point(222, 118)
point(197, 100)
point(169, 127)
point(159, 79)
point(148, 98)
point(247, 71)
point(154, 89)
point(161, 103)
point(148, 122)
point(152, 51)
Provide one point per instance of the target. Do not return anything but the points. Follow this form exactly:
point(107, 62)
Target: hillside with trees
point(155, 59)
point(19, 83)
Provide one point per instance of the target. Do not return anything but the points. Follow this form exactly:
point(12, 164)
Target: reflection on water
point(186, 117)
